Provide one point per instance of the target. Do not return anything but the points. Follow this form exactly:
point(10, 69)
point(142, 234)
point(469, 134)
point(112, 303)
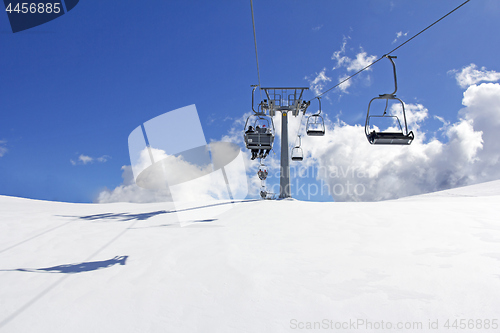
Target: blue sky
point(78, 85)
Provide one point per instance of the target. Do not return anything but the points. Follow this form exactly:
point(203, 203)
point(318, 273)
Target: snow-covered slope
point(478, 190)
point(259, 267)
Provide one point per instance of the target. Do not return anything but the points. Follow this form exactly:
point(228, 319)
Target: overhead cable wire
point(255, 43)
point(388, 53)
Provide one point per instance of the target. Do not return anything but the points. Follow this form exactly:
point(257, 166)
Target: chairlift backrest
point(262, 136)
point(402, 136)
point(384, 123)
point(297, 152)
point(315, 125)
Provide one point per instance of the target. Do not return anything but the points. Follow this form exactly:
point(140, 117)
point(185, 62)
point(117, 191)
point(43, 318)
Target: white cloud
point(343, 86)
point(318, 83)
point(103, 158)
point(84, 159)
point(338, 55)
point(470, 75)
point(445, 122)
point(3, 148)
point(352, 65)
point(128, 191)
point(172, 178)
point(317, 28)
point(399, 35)
point(482, 109)
point(211, 118)
point(361, 61)
point(470, 155)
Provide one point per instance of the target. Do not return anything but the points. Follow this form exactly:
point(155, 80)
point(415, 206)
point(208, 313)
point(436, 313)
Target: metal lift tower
point(284, 100)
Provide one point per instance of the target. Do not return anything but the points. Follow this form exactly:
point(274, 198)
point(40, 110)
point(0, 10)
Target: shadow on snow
point(123, 217)
point(77, 268)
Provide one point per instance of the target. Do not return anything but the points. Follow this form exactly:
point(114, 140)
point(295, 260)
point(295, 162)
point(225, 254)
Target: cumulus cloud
point(399, 35)
point(128, 191)
point(466, 153)
point(3, 148)
point(84, 159)
point(191, 177)
point(103, 159)
point(318, 83)
point(470, 75)
point(344, 85)
point(353, 170)
point(360, 60)
point(339, 54)
point(205, 187)
point(352, 65)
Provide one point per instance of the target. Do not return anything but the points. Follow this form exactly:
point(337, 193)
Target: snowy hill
point(260, 267)
point(477, 190)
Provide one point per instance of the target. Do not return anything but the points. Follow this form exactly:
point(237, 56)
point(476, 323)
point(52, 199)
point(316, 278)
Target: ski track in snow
point(254, 268)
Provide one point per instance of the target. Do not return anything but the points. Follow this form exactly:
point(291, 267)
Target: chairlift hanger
point(402, 137)
point(315, 125)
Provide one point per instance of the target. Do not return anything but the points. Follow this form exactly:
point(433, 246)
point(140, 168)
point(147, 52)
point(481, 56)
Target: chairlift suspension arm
point(253, 92)
point(299, 140)
point(394, 71)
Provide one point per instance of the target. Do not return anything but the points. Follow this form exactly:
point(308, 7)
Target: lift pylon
point(284, 100)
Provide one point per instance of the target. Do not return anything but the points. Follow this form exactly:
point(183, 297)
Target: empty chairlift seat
point(297, 152)
point(315, 125)
point(395, 134)
point(390, 138)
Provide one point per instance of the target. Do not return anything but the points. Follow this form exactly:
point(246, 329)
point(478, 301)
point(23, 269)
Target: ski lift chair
point(315, 125)
point(297, 152)
point(262, 174)
point(262, 137)
point(263, 194)
point(400, 137)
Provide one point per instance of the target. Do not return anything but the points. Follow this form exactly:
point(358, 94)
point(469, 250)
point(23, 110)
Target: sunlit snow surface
point(259, 267)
